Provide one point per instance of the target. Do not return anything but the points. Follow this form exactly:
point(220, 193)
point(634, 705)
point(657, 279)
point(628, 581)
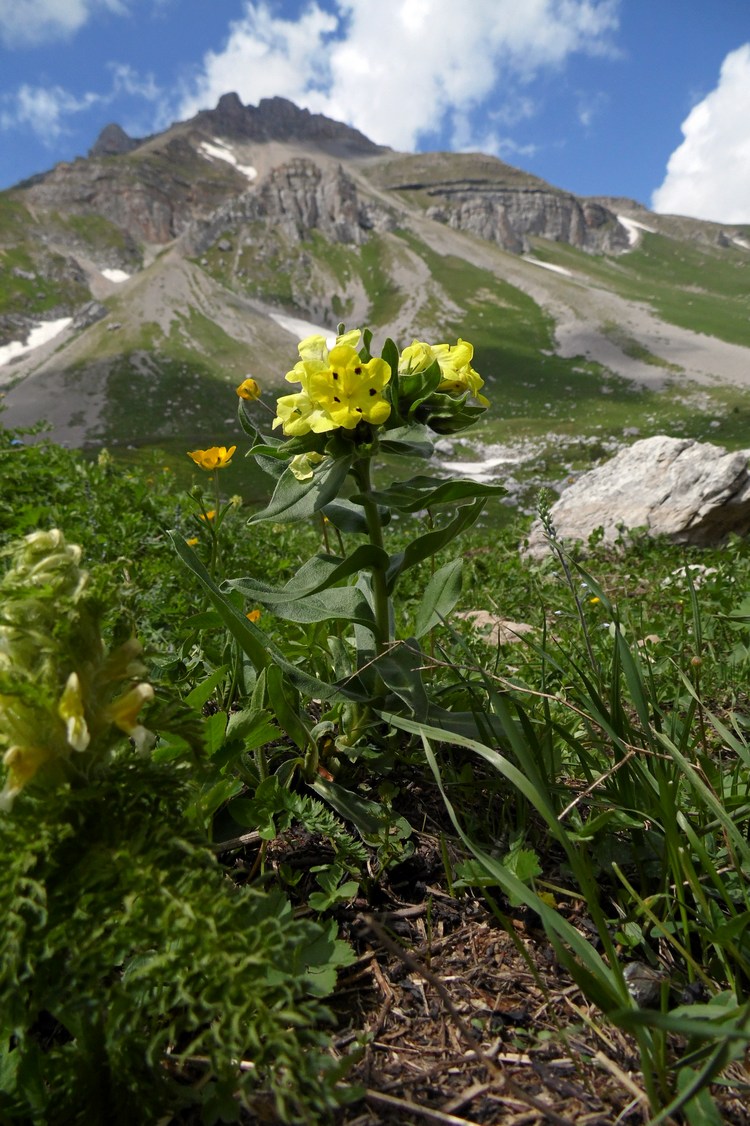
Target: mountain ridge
point(244, 219)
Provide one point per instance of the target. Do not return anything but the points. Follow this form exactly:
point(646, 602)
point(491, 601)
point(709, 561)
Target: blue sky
point(642, 98)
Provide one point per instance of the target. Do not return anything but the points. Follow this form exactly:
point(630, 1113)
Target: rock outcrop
point(692, 492)
point(295, 199)
point(112, 141)
point(509, 216)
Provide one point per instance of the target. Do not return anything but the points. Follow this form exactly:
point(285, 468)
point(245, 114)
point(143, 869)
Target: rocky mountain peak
point(278, 119)
point(112, 141)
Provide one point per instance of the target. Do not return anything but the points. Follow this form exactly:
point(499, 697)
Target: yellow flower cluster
point(455, 365)
point(339, 389)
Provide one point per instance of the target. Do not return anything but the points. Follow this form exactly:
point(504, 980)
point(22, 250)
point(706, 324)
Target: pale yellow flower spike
point(70, 709)
point(123, 713)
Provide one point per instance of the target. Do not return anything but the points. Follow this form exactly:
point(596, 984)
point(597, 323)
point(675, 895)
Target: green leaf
point(203, 691)
point(257, 646)
point(368, 818)
point(432, 542)
point(348, 517)
point(283, 700)
point(294, 500)
point(214, 731)
point(317, 574)
point(441, 595)
point(414, 440)
point(255, 728)
point(427, 492)
point(400, 668)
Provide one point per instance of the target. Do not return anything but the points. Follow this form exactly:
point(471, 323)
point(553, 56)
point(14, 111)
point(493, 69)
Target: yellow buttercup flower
point(192, 541)
point(253, 616)
point(214, 458)
point(249, 389)
point(208, 515)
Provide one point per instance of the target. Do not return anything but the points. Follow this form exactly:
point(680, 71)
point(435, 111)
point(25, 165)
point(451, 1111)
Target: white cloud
point(708, 176)
point(401, 69)
point(37, 21)
point(46, 110)
point(43, 110)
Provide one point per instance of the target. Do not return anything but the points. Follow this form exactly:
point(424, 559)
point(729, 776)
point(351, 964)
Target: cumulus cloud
point(47, 110)
point(402, 69)
point(43, 110)
point(708, 176)
point(28, 22)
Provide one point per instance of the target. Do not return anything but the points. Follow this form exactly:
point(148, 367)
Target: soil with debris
point(467, 1019)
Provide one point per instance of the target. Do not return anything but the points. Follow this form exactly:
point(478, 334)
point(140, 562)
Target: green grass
point(695, 286)
point(617, 774)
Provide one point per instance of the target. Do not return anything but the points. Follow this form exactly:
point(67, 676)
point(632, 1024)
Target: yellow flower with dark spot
point(249, 389)
point(351, 391)
point(214, 458)
point(253, 616)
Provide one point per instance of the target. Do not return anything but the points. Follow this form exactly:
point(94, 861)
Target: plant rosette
point(350, 406)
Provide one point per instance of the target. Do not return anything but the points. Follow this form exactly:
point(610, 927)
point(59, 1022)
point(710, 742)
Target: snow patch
point(634, 228)
point(547, 266)
point(302, 329)
point(116, 276)
point(218, 150)
point(40, 334)
point(741, 242)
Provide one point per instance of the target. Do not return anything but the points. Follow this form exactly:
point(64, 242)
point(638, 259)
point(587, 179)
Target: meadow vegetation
point(306, 666)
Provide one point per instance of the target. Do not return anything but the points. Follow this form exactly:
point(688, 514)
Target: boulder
point(692, 492)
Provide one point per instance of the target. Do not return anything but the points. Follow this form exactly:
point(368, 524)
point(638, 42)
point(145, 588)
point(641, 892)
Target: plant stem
point(381, 600)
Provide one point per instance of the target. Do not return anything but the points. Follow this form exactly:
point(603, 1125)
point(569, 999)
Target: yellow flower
point(123, 713)
point(192, 541)
point(22, 764)
point(298, 415)
point(455, 365)
point(214, 458)
point(208, 515)
point(338, 389)
point(349, 390)
point(70, 709)
point(253, 616)
point(417, 357)
point(249, 389)
point(594, 600)
point(303, 465)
